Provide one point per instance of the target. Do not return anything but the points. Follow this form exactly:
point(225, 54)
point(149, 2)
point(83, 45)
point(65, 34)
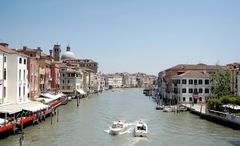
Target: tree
point(221, 82)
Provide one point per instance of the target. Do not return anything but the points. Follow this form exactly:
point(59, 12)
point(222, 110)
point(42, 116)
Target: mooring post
point(57, 115)
point(51, 118)
point(77, 101)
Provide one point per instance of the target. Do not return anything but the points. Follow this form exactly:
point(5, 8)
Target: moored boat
point(141, 129)
point(159, 107)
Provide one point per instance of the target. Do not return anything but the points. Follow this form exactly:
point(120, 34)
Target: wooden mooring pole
point(77, 101)
point(51, 118)
point(57, 115)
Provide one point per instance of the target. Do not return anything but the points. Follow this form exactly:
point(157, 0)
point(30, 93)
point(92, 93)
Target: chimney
point(4, 45)
point(51, 53)
point(24, 48)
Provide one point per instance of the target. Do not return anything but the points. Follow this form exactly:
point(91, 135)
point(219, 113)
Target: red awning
point(196, 96)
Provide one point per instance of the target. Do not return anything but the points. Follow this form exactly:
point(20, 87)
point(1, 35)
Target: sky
point(128, 35)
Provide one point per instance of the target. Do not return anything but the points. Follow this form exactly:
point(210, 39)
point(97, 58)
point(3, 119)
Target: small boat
point(117, 127)
point(167, 109)
point(141, 129)
point(159, 107)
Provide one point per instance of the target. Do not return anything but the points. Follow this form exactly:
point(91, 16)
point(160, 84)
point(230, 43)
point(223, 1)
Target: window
point(195, 91)
point(5, 59)
point(190, 98)
point(200, 99)
point(195, 82)
point(19, 92)
point(23, 90)
point(206, 82)
point(184, 90)
point(63, 75)
point(31, 55)
point(20, 60)
point(63, 81)
point(200, 82)
point(190, 90)
point(206, 90)
point(184, 99)
point(184, 81)
point(200, 90)
point(24, 74)
point(19, 74)
point(5, 74)
point(68, 81)
point(190, 82)
point(24, 61)
point(4, 91)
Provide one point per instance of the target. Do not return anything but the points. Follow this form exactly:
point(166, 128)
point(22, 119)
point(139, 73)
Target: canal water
point(88, 125)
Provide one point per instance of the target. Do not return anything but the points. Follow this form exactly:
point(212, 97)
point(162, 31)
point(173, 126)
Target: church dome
point(68, 54)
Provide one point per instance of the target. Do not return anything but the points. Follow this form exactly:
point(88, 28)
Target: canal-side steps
point(225, 119)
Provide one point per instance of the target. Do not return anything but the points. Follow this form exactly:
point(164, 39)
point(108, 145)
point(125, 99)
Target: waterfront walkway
point(199, 108)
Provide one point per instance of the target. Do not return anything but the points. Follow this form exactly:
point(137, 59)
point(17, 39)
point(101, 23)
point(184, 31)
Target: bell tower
point(57, 52)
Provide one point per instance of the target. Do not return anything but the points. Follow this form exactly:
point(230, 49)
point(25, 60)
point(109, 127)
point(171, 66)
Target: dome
point(68, 54)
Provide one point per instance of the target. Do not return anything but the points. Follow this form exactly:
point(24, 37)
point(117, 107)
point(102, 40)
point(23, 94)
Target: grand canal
point(88, 125)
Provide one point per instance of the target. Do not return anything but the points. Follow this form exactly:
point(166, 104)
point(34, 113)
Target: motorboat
point(117, 127)
point(159, 107)
point(167, 109)
point(141, 129)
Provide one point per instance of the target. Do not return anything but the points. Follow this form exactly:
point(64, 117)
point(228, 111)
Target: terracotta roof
point(196, 67)
point(11, 51)
point(193, 74)
point(86, 69)
point(6, 50)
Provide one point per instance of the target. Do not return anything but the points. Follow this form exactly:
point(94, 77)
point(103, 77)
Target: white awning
point(33, 106)
point(10, 108)
point(46, 100)
point(235, 107)
point(52, 96)
point(81, 91)
point(2, 121)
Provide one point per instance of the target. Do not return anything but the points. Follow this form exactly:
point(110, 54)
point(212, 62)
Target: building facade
point(165, 77)
point(115, 81)
point(71, 80)
point(191, 87)
point(15, 76)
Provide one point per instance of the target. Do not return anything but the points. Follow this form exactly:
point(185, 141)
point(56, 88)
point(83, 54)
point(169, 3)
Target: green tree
point(221, 82)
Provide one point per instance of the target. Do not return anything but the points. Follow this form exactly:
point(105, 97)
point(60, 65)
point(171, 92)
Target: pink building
point(33, 69)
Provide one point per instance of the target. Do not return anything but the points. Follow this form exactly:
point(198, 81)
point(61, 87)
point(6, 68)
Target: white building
point(132, 81)
point(115, 81)
point(192, 86)
point(13, 80)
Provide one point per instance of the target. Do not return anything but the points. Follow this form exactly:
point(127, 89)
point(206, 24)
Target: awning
point(51, 96)
point(196, 96)
point(10, 108)
point(33, 106)
point(46, 100)
point(2, 121)
point(81, 91)
point(234, 107)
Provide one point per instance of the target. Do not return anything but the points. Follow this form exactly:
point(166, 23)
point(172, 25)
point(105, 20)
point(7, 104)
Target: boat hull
point(139, 133)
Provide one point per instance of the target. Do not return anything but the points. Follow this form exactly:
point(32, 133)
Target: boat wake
point(128, 129)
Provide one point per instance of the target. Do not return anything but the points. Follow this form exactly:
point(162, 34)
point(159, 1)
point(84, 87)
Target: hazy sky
point(128, 35)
